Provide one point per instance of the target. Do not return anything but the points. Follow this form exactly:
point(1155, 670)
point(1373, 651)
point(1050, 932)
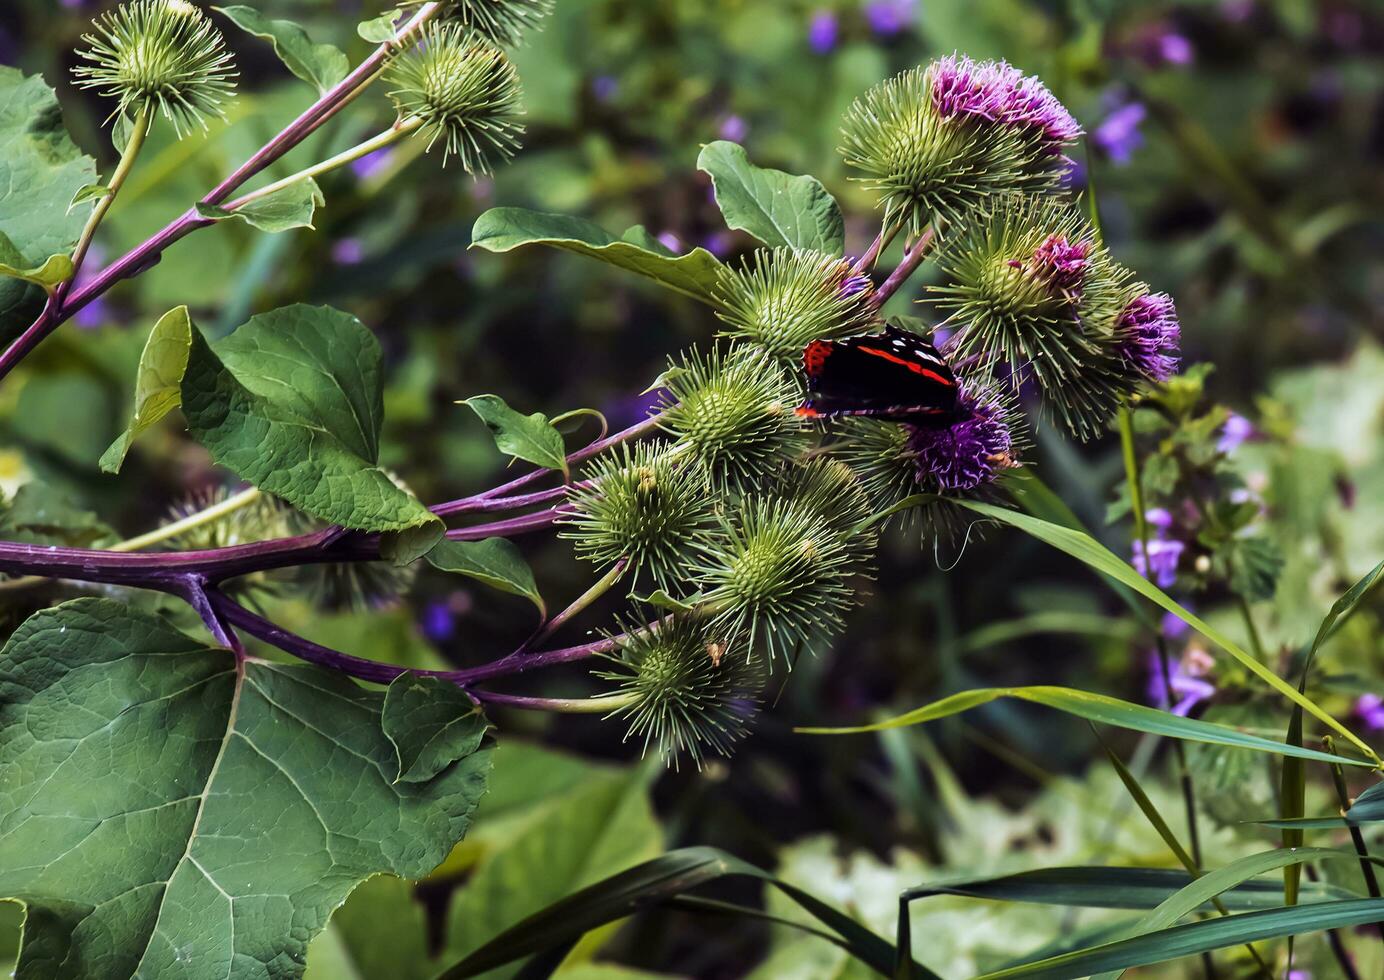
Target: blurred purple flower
point(1159, 517)
point(1188, 676)
point(1236, 430)
point(371, 162)
point(604, 87)
point(438, 621)
point(1117, 135)
point(1172, 627)
point(1073, 175)
point(670, 241)
point(888, 17)
point(1370, 709)
point(966, 454)
point(1150, 337)
point(621, 413)
point(733, 128)
point(1175, 48)
point(821, 31)
point(347, 251)
point(1164, 554)
point(98, 312)
point(718, 243)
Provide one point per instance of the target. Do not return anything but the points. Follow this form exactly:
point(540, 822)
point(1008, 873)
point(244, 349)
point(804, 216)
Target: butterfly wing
point(896, 375)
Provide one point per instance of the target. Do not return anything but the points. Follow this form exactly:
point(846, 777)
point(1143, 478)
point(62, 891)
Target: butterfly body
point(896, 376)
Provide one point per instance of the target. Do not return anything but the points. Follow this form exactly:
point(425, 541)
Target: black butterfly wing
point(896, 376)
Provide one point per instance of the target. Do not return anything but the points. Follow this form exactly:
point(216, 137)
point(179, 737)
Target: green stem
point(598, 589)
point(566, 706)
point(1141, 529)
point(138, 132)
point(1338, 778)
point(391, 135)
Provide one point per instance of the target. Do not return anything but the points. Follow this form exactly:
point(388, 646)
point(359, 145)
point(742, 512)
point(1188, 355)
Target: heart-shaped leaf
point(528, 437)
point(775, 207)
point(494, 561)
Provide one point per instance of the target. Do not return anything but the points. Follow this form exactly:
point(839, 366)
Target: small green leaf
point(158, 382)
point(494, 561)
point(291, 206)
point(407, 546)
point(171, 812)
point(320, 65)
point(660, 599)
point(775, 207)
point(379, 29)
point(528, 437)
point(292, 403)
point(1097, 708)
point(41, 514)
point(431, 725)
point(90, 192)
point(55, 270)
point(502, 229)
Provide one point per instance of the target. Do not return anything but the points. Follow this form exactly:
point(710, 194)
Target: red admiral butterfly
point(896, 376)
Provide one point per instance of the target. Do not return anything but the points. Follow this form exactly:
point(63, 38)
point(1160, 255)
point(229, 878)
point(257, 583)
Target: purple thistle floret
point(1061, 263)
point(964, 455)
point(821, 31)
point(1150, 337)
point(998, 91)
point(854, 285)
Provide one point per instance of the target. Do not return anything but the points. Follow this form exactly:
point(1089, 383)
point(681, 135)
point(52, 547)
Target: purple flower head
point(889, 17)
point(604, 87)
point(733, 128)
point(1061, 264)
point(998, 91)
point(1173, 627)
point(1150, 337)
point(371, 162)
point(1236, 430)
point(1370, 709)
point(1174, 48)
point(670, 241)
point(1188, 676)
point(966, 454)
point(1159, 517)
point(1164, 554)
point(854, 285)
point(1118, 135)
point(821, 31)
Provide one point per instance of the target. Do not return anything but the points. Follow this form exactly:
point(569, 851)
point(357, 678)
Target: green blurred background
point(1236, 147)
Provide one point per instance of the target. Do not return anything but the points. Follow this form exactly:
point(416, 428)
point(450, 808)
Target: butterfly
point(896, 376)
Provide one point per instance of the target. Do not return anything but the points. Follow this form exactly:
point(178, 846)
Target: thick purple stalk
point(61, 308)
point(380, 673)
point(911, 260)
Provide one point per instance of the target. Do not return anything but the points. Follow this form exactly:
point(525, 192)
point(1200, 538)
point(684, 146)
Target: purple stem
point(507, 527)
point(372, 670)
point(59, 309)
point(911, 260)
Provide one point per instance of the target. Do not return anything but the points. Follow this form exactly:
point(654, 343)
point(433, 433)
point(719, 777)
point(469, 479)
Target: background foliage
point(1251, 193)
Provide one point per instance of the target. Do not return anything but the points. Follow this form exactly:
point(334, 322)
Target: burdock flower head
point(1030, 284)
point(733, 411)
point(158, 55)
point(465, 91)
point(645, 504)
point(782, 299)
point(1149, 336)
point(687, 691)
point(970, 453)
point(941, 141)
point(503, 21)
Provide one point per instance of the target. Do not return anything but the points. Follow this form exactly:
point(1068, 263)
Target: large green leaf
point(495, 561)
point(1092, 707)
point(1199, 937)
point(40, 171)
point(531, 438)
point(1092, 553)
point(291, 402)
point(168, 811)
point(659, 880)
point(158, 383)
point(604, 826)
point(320, 65)
point(775, 207)
point(503, 229)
